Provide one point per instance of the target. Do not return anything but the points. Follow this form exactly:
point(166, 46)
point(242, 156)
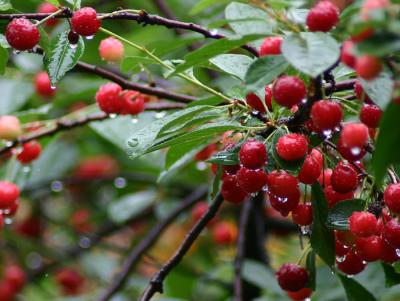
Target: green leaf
point(3, 59)
point(14, 94)
point(204, 4)
point(391, 277)
point(211, 50)
point(3, 41)
point(388, 142)
point(380, 89)
point(76, 4)
point(54, 2)
point(311, 52)
point(131, 205)
point(263, 71)
point(312, 271)
point(322, 240)
point(338, 217)
point(234, 64)
point(5, 5)
point(354, 290)
point(227, 157)
point(62, 57)
point(260, 276)
point(245, 19)
point(134, 63)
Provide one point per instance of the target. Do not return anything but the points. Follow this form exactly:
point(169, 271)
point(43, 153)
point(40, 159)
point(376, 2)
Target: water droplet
point(253, 195)
point(9, 143)
point(398, 252)
point(201, 165)
point(16, 52)
point(341, 258)
point(350, 276)
point(134, 120)
point(160, 115)
point(56, 186)
point(73, 46)
point(282, 200)
point(307, 299)
point(7, 220)
point(85, 242)
point(120, 182)
point(53, 87)
point(34, 260)
point(112, 116)
point(134, 142)
point(327, 134)
point(89, 37)
point(214, 32)
point(304, 101)
point(337, 129)
point(355, 151)
point(26, 169)
point(46, 275)
point(305, 230)
point(265, 188)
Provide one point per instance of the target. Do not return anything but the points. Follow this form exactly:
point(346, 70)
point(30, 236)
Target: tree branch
point(156, 283)
point(148, 242)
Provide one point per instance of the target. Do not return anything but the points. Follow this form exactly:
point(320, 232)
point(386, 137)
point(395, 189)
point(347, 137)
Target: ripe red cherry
point(111, 50)
point(340, 248)
point(363, 35)
point(323, 16)
point(199, 210)
point(326, 115)
point(231, 190)
point(310, 171)
point(255, 102)
point(370, 115)
point(133, 103)
point(10, 127)
point(348, 154)
point(300, 295)
point(333, 197)
point(251, 180)
point(360, 93)
point(362, 224)
point(345, 237)
point(224, 233)
point(344, 178)
point(230, 170)
point(206, 152)
point(369, 248)
point(14, 275)
point(355, 136)
point(388, 252)
point(392, 197)
point(7, 292)
point(352, 264)
point(284, 204)
point(31, 227)
point(9, 193)
point(253, 154)
point(302, 214)
point(368, 67)
point(48, 8)
point(85, 22)
point(22, 35)
point(43, 85)
point(282, 184)
point(291, 277)
point(392, 233)
point(69, 280)
point(325, 177)
point(97, 167)
point(270, 46)
point(110, 99)
point(292, 147)
point(30, 152)
point(289, 91)
point(347, 57)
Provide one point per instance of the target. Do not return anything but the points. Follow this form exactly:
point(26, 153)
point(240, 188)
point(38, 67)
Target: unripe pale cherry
point(362, 224)
point(48, 8)
point(85, 22)
point(292, 147)
point(22, 34)
point(9, 193)
point(344, 178)
point(225, 233)
point(43, 85)
point(111, 50)
point(354, 136)
point(289, 91)
point(270, 46)
point(10, 127)
point(326, 115)
point(368, 67)
point(30, 152)
point(392, 197)
point(291, 277)
point(370, 115)
point(253, 154)
point(323, 16)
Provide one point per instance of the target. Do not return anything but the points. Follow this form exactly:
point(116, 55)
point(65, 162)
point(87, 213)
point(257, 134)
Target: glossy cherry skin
point(85, 22)
point(22, 34)
point(289, 91)
point(253, 154)
point(291, 147)
point(231, 190)
point(291, 277)
point(362, 224)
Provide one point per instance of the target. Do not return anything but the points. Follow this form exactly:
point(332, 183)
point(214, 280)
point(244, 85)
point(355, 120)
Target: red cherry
point(362, 224)
point(355, 136)
point(348, 154)
point(317, 155)
point(9, 193)
point(352, 264)
point(310, 171)
point(333, 197)
point(230, 169)
point(30, 152)
point(392, 197)
point(368, 67)
point(251, 180)
point(282, 184)
point(323, 16)
point(206, 152)
point(363, 35)
point(43, 85)
point(111, 50)
point(21, 34)
point(255, 102)
point(224, 233)
point(392, 233)
point(253, 154)
point(292, 147)
point(369, 248)
point(289, 91)
point(85, 22)
point(10, 127)
point(284, 204)
point(300, 295)
point(340, 248)
point(302, 214)
point(370, 115)
point(69, 280)
point(31, 227)
point(326, 115)
point(360, 93)
point(347, 57)
point(388, 252)
point(270, 46)
point(199, 210)
point(48, 8)
point(97, 167)
point(231, 190)
point(12, 210)
point(345, 237)
point(291, 277)
point(325, 177)
point(7, 292)
point(109, 98)
point(344, 178)
point(14, 275)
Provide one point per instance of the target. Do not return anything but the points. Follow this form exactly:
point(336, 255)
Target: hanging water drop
point(134, 120)
point(327, 134)
point(73, 46)
point(214, 32)
point(340, 258)
point(8, 221)
point(120, 182)
point(26, 169)
point(56, 186)
point(134, 142)
point(112, 116)
point(355, 151)
point(398, 252)
point(305, 230)
point(160, 115)
point(89, 38)
point(201, 166)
